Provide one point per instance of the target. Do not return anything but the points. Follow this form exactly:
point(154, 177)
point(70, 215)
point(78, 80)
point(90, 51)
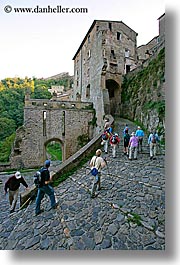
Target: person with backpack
point(133, 144)
point(106, 124)
point(140, 135)
point(125, 129)
point(12, 186)
point(97, 163)
point(105, 138)
point(114, 141)
point(153, 139)
point(126, 142)
point(44, 187)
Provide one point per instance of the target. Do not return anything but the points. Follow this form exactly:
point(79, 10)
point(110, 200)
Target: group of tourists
point(132, 142)
point(132, 145)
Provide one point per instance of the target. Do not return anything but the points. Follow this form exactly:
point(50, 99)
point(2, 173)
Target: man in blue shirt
point(45, 188)
point(140, 135)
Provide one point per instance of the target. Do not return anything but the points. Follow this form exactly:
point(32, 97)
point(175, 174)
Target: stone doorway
point(54, 151)
point(113, 89)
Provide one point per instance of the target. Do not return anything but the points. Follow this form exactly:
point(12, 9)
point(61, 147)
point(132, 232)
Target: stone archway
point(54, 150)
point(114, 93)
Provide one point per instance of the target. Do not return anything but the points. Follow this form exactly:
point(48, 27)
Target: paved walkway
point(127, 214)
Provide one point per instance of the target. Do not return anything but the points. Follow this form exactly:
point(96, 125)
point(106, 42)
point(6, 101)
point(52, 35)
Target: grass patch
point(55, 151)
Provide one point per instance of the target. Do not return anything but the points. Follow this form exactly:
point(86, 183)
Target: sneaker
point(11, 211)
point(41, 211)
point(55, 206)
point(151, 157)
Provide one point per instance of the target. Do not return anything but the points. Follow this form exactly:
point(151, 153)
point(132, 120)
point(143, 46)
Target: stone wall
point(46, 121)
point(143, 94)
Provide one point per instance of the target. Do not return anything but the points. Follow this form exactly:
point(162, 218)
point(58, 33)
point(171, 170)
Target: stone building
point(146, 50)
point(46, 121)
point(107, 52)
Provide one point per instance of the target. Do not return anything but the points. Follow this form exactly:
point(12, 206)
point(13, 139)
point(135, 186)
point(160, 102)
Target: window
point(44, 123)
point(118, 36)
point(128, 68)
point(127, 52)
point(88, 70)
point(110, 26)
point(88, 91)
point(89, 39)
point(89, 54)
point(113, 54)
point(63, 124)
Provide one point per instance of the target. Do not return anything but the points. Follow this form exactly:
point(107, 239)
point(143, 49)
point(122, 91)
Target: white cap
point(18, 175)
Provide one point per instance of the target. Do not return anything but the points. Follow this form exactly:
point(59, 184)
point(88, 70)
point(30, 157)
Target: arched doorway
point(54, 151)
point(113, 89)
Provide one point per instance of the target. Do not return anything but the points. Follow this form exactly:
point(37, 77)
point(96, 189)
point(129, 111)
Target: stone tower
point(107, 52)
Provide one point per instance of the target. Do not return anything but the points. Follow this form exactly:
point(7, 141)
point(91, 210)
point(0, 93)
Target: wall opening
point(128, 68)
point(44, 123)
point(113, 90)
point(54, 151)
point(88, 91)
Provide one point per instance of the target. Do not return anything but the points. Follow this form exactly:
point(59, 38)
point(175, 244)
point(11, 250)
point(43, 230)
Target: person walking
point(140, 135)
point(153, 139)
point(45, 188)
point(114, 142)
point(133, 144)
point(106, 124)
point(126, 142)
point(12, 186)
point(126, 128)
point(105, 138)
point(97, 162)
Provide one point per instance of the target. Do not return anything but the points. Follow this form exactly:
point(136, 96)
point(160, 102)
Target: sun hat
point(18, 175)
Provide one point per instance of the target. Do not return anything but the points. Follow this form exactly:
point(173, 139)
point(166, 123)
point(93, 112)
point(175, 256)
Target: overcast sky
point(43, 44)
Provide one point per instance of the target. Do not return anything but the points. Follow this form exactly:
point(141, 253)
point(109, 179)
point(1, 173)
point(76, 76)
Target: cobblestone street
point(127, 214)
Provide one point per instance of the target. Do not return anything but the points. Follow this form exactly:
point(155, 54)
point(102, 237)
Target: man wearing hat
point(133, 144)
point(45, 188)
point(98, 162)
point(13, 184)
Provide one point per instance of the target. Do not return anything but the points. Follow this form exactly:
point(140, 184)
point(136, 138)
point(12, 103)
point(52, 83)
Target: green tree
point(7, 127)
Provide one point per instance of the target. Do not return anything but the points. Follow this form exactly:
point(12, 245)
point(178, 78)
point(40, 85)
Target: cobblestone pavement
point(127, 214)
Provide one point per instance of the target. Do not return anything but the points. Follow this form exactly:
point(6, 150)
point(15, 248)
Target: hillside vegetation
point(12, 94)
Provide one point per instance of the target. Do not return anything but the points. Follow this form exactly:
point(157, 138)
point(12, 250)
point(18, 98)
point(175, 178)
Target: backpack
point(105, 136)
point(126, 138)
point(109, 130)
point(153, 138)
point(37, 177)
point(114, 139)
